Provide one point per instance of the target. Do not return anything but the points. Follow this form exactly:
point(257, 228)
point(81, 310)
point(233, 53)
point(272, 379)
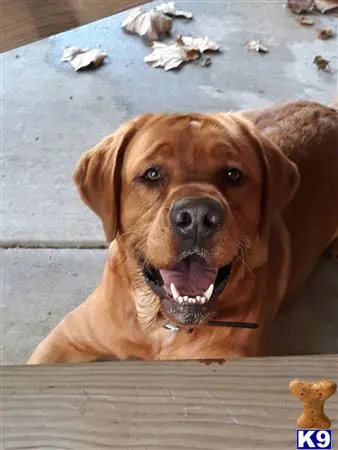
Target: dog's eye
point(153, 174)
point(234, 176)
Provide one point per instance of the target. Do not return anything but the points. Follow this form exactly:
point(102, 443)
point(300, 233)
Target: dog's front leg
point(72, 340)
point(62, 345)
point(87, 334)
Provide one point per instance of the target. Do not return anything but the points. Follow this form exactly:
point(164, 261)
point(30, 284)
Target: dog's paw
point(332, 250)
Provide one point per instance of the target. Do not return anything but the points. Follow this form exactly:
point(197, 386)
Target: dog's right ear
point(98, 174)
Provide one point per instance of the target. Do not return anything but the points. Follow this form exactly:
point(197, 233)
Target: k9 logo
point(314, 439)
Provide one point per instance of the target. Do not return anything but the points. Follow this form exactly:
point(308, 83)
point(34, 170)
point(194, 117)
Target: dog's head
point(188, 195)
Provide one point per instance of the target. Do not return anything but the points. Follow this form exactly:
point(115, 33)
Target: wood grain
point(25, 21)
point(243, 404)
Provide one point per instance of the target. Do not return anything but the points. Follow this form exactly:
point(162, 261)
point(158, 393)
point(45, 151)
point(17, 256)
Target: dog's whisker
point(243, 259)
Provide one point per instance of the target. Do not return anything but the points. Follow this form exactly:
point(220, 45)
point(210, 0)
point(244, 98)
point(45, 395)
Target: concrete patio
point(50, 115)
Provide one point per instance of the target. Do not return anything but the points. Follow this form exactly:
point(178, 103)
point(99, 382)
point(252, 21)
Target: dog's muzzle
point(189, 289)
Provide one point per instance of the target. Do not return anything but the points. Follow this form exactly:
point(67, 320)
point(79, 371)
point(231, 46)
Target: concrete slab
point(311, 326)
point(40, 286)
point(51, 115)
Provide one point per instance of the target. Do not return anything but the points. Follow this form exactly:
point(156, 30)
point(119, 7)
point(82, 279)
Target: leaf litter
point(301, 6)
point(184, 49)
point(256, 46)
point(170, 10)
point(151, 25)
point(306, 20)
point(321, 63)
point(83, 58)
point(324, 33)
point(170, 56)
point(203, 44)
point(325, 6)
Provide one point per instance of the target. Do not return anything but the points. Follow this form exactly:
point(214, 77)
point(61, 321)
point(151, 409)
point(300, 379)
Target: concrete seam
point(50, 244)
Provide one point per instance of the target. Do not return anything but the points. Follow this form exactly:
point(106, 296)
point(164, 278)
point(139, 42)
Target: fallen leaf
point(192, 54)
point(169, 9)
point(305, 20)
point(256, 46)
point(324, 33)
point(299, 6)
point(147, 24)
point(90, 59)
point(184, 49)
point(83, 58)
point(170, 56)
point(321, 63)
point(69, 53)
point(325, 6)
point(201, 44)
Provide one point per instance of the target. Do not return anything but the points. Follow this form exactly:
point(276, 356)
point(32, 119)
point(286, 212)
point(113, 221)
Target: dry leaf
point(150, 24)
point(299, 6)
point(83, 58)
point(185, 49)
point(170, 10)
point(191, 54)
point(256, 46)
point(321, 63)
point(324, 33)
point(69, 53)
point(305, 20)
point(90, 59)
point(170, 56)
point(200, 44)
point(325, 6)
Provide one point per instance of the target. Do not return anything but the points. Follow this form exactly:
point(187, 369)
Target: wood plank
point(163, 406)
point(25, 21)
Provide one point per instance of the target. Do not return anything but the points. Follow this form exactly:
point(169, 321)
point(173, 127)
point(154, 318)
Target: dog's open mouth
point(189, 289)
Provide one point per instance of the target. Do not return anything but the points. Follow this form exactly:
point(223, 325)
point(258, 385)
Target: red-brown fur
point(277, 226)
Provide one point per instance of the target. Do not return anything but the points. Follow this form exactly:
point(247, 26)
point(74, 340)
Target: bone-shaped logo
point(313, 396)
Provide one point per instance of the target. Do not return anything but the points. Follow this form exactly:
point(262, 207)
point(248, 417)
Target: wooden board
point(25, 21)
point(242, 404)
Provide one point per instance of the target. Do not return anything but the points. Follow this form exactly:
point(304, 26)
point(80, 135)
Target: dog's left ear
point(280, 174)
point(280, 180)
point(98, 174)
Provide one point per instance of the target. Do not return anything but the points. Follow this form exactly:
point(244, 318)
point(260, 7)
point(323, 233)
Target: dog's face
point(188, 195)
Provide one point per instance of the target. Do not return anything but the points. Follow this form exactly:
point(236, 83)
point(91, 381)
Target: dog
point(210, 218)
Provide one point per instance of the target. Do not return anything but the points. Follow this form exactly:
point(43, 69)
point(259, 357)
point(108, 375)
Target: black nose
point(196, 218)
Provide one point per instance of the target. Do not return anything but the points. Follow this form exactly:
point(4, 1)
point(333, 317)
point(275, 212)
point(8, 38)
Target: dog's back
point(308, 133)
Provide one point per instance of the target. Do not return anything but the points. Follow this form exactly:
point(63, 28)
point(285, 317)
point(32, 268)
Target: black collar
point(215, 323)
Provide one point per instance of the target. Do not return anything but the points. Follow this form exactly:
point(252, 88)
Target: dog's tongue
point(191, 276)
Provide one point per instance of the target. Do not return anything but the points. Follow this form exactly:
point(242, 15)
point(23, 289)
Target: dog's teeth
point(174, 291)
point(208, 292)
point(185, 300)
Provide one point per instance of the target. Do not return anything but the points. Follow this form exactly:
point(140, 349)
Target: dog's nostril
point(184, 219)
point(212, 220)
